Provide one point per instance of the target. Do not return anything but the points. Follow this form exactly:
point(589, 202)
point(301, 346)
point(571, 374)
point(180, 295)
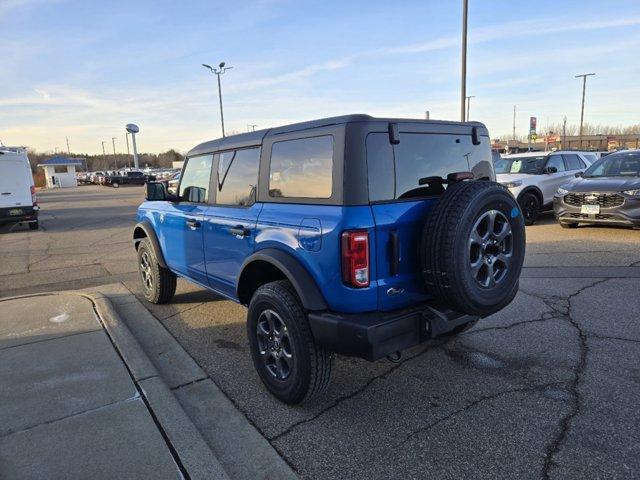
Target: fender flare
point(146, 226)
point(302, 281)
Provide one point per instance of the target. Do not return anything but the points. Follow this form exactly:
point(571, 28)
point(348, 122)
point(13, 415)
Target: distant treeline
point(571, 130)
point(111, 162)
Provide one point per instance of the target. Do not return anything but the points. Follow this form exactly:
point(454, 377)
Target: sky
point(83, 69)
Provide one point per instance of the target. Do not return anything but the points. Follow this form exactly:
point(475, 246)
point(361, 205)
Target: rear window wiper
point(451, 178)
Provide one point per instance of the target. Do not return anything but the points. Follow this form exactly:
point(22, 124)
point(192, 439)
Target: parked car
point(170, 182)
point(352, 235)
point(608, 192)
point(132, 177)
point(18, 202)
point(534, 177)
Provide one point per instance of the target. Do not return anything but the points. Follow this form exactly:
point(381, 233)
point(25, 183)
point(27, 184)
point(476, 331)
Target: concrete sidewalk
point(79, 401)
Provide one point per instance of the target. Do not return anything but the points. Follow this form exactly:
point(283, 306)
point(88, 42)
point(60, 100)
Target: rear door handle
point(239, 230)
point(193, 224)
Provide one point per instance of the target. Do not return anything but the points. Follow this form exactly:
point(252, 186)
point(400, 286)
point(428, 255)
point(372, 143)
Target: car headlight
point(561, 192)
point(633, 193)
point(515, 183)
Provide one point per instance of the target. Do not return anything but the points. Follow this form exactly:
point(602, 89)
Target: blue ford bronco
point(351, 235)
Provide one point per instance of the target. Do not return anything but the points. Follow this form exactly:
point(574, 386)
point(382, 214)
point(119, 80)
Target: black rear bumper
point(375, 335)
point(27, 214)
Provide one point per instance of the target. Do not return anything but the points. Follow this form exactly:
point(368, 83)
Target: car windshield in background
point(530, 165)
point(622, 164)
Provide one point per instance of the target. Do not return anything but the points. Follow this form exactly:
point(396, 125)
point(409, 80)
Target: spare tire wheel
point(473, 246)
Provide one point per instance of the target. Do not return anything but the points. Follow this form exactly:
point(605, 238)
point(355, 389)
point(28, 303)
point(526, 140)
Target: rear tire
point(530, 206)
point(473, 246)
point(33, 225)
point(158, 283)
point(115, 185)
point(290, 363)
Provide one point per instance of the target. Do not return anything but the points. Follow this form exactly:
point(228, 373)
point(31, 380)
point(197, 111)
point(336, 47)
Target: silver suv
point(534, 177)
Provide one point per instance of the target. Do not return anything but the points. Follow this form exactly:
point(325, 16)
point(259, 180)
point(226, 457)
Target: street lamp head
point(207, 66)
point(132, 128)
point(222, 64)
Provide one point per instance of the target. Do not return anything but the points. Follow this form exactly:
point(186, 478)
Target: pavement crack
point(353, 394)
point(545, 317)
point(554, 446)
point(64, 417)
point(193, 382)
point(475, 403)
point(609, 337)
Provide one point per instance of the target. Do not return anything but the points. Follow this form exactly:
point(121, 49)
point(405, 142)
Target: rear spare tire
point(473, 246)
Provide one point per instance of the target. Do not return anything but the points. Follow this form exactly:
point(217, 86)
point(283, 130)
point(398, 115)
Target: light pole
point(104, 154)
point(564, 133)
point(115, 160)
point(133, 129)
point(584, 87)
point(219, 71)
point(126, 137)
point(68, 149)
point(469, 104)
point(426, 114)
point(463, 89)
point(514, 123)
point(251, 128)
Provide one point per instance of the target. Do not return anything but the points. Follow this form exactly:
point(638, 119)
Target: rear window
point(302, 168)
point(417, 156)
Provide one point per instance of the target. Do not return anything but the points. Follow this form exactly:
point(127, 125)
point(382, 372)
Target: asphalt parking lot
point(547, 388)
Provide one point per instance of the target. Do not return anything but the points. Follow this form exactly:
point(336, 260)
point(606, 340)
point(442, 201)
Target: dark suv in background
point(607, 193)
point(352, 235)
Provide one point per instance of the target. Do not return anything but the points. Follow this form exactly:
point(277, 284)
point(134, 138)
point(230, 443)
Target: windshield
point(530, 165)
point(622, 164)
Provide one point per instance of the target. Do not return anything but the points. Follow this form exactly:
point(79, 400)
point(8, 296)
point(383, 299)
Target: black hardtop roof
point(250, 139)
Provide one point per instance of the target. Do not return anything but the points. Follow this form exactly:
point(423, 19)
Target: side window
point(302, 168)
point(573, 161)
point(238, 177)
point(194, 186)
point(556, 161)
point(380, 167)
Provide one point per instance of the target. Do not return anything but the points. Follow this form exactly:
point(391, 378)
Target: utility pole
point(115, 160)
point(126, 137)
point(104, 154)
point(514, 123)
point(219, 71)
point(469, 104)
point(463, 87)
point(68, 149)
point(584, 87)
point(564, 133)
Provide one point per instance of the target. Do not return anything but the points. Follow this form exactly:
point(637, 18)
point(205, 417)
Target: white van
point(18, 202)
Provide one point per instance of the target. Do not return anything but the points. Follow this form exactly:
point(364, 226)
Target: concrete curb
point(241, 449)
point(183, 438)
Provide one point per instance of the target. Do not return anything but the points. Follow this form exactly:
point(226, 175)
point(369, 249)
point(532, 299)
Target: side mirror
point(155, 192)
point(579, 174)
point(550, 169)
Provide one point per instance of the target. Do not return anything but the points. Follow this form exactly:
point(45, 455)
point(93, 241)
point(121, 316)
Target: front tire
point(115, 185)
point(530, 206)
point(292, 366)
point(158, 283)
point(33, 225)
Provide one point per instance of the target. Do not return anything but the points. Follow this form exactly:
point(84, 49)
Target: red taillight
point(355, 258)
point(34, 200)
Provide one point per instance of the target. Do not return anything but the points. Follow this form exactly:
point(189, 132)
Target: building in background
point(60, 172)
